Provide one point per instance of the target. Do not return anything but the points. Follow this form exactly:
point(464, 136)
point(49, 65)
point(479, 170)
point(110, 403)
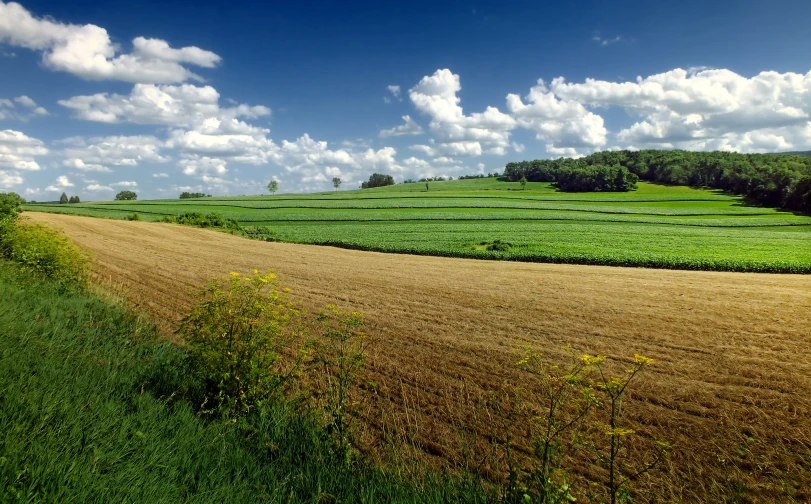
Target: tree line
point(775, 180)
point(573, 175)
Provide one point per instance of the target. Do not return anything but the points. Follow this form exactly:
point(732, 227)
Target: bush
point(43, 249)
point(10, 205)
point(378, 180)
point(188, 195)
point(210, 220)
point(236, 335)
point(126, 196)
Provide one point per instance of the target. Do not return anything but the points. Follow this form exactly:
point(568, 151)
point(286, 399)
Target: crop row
point(582, 243)
point(266, 217)
point(645, 208)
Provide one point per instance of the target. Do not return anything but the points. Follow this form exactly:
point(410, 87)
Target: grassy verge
point(84, 417)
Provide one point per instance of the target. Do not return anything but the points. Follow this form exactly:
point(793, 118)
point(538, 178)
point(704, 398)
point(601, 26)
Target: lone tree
point(523, 183)
point(126, 196)
point(378, 180)
point(63, 199)
point(273, 186)
point(336, 183)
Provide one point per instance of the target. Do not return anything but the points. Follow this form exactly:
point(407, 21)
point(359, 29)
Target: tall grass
point(85, 416)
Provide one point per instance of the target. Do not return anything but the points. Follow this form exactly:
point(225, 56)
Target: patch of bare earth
point(729, 391)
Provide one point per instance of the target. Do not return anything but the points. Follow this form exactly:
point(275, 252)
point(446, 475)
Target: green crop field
point(654, 226)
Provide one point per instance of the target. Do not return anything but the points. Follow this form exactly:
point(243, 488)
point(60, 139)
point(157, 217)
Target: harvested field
point(730, 389)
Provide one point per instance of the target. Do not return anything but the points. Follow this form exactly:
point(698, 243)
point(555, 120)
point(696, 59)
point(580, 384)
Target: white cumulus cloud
point(18, 151)
point(409, 128)
point(88, 51)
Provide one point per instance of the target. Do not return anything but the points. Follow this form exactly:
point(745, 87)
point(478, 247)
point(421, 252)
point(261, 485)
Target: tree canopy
point(188, 195)
point(775, 180)
point(126, 196)
point(378, 180)
point(273, 186)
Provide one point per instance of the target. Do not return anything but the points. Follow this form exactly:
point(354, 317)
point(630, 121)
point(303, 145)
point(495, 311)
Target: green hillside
point(654, 226)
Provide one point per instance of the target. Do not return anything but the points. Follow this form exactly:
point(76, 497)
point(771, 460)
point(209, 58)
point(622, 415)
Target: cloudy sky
point(163, 96)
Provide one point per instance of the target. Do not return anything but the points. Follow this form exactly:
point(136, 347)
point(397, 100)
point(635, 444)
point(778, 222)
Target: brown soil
point(729, 390)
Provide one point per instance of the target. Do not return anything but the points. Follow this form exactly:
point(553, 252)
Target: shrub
point(210, 220)
point(43, 249)
point(236, 335)
point(133, 217)
point(10, 205)
point(126, 196)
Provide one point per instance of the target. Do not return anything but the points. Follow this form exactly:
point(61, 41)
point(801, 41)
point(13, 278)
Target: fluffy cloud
point(125, 183)
point(436, 97)
point(29, 108)
point(203, 165)
point(17, 151)
point(705, 108)
point(565, 125)
point(81, 165)
point(9, 179)
point(60, 184)
point(88, 52)
point(99, 153)
point(98, 188)
point(450, 149)
point(186, 105)
point(409, 128)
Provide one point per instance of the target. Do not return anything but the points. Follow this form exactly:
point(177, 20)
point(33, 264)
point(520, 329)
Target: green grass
point(82, 419)
point(655, 226)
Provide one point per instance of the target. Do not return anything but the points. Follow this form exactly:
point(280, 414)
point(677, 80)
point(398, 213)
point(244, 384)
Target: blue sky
point(221, 97)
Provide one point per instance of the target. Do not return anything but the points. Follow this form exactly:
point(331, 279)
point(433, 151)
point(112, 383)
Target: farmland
point(655, 226)
point(729, 388)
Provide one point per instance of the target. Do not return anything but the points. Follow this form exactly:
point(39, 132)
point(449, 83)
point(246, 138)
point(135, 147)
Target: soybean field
point(655, 226)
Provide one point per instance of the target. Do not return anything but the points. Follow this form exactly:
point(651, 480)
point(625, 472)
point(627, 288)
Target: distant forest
point(776, 180)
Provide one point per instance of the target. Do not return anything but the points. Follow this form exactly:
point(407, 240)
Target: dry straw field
point(730, 389)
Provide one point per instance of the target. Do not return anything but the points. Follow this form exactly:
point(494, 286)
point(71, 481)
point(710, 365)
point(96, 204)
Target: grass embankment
point(84, 418)
point(655, 226)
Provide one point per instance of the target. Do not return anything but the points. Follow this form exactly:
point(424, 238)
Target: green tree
point(64, 199)
point(273, 186)
point(378, 180)
point(126, 196)
point(523, 183)
point(336, 182)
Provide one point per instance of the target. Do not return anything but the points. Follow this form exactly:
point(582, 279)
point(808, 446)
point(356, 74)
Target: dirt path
point(731, 384)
